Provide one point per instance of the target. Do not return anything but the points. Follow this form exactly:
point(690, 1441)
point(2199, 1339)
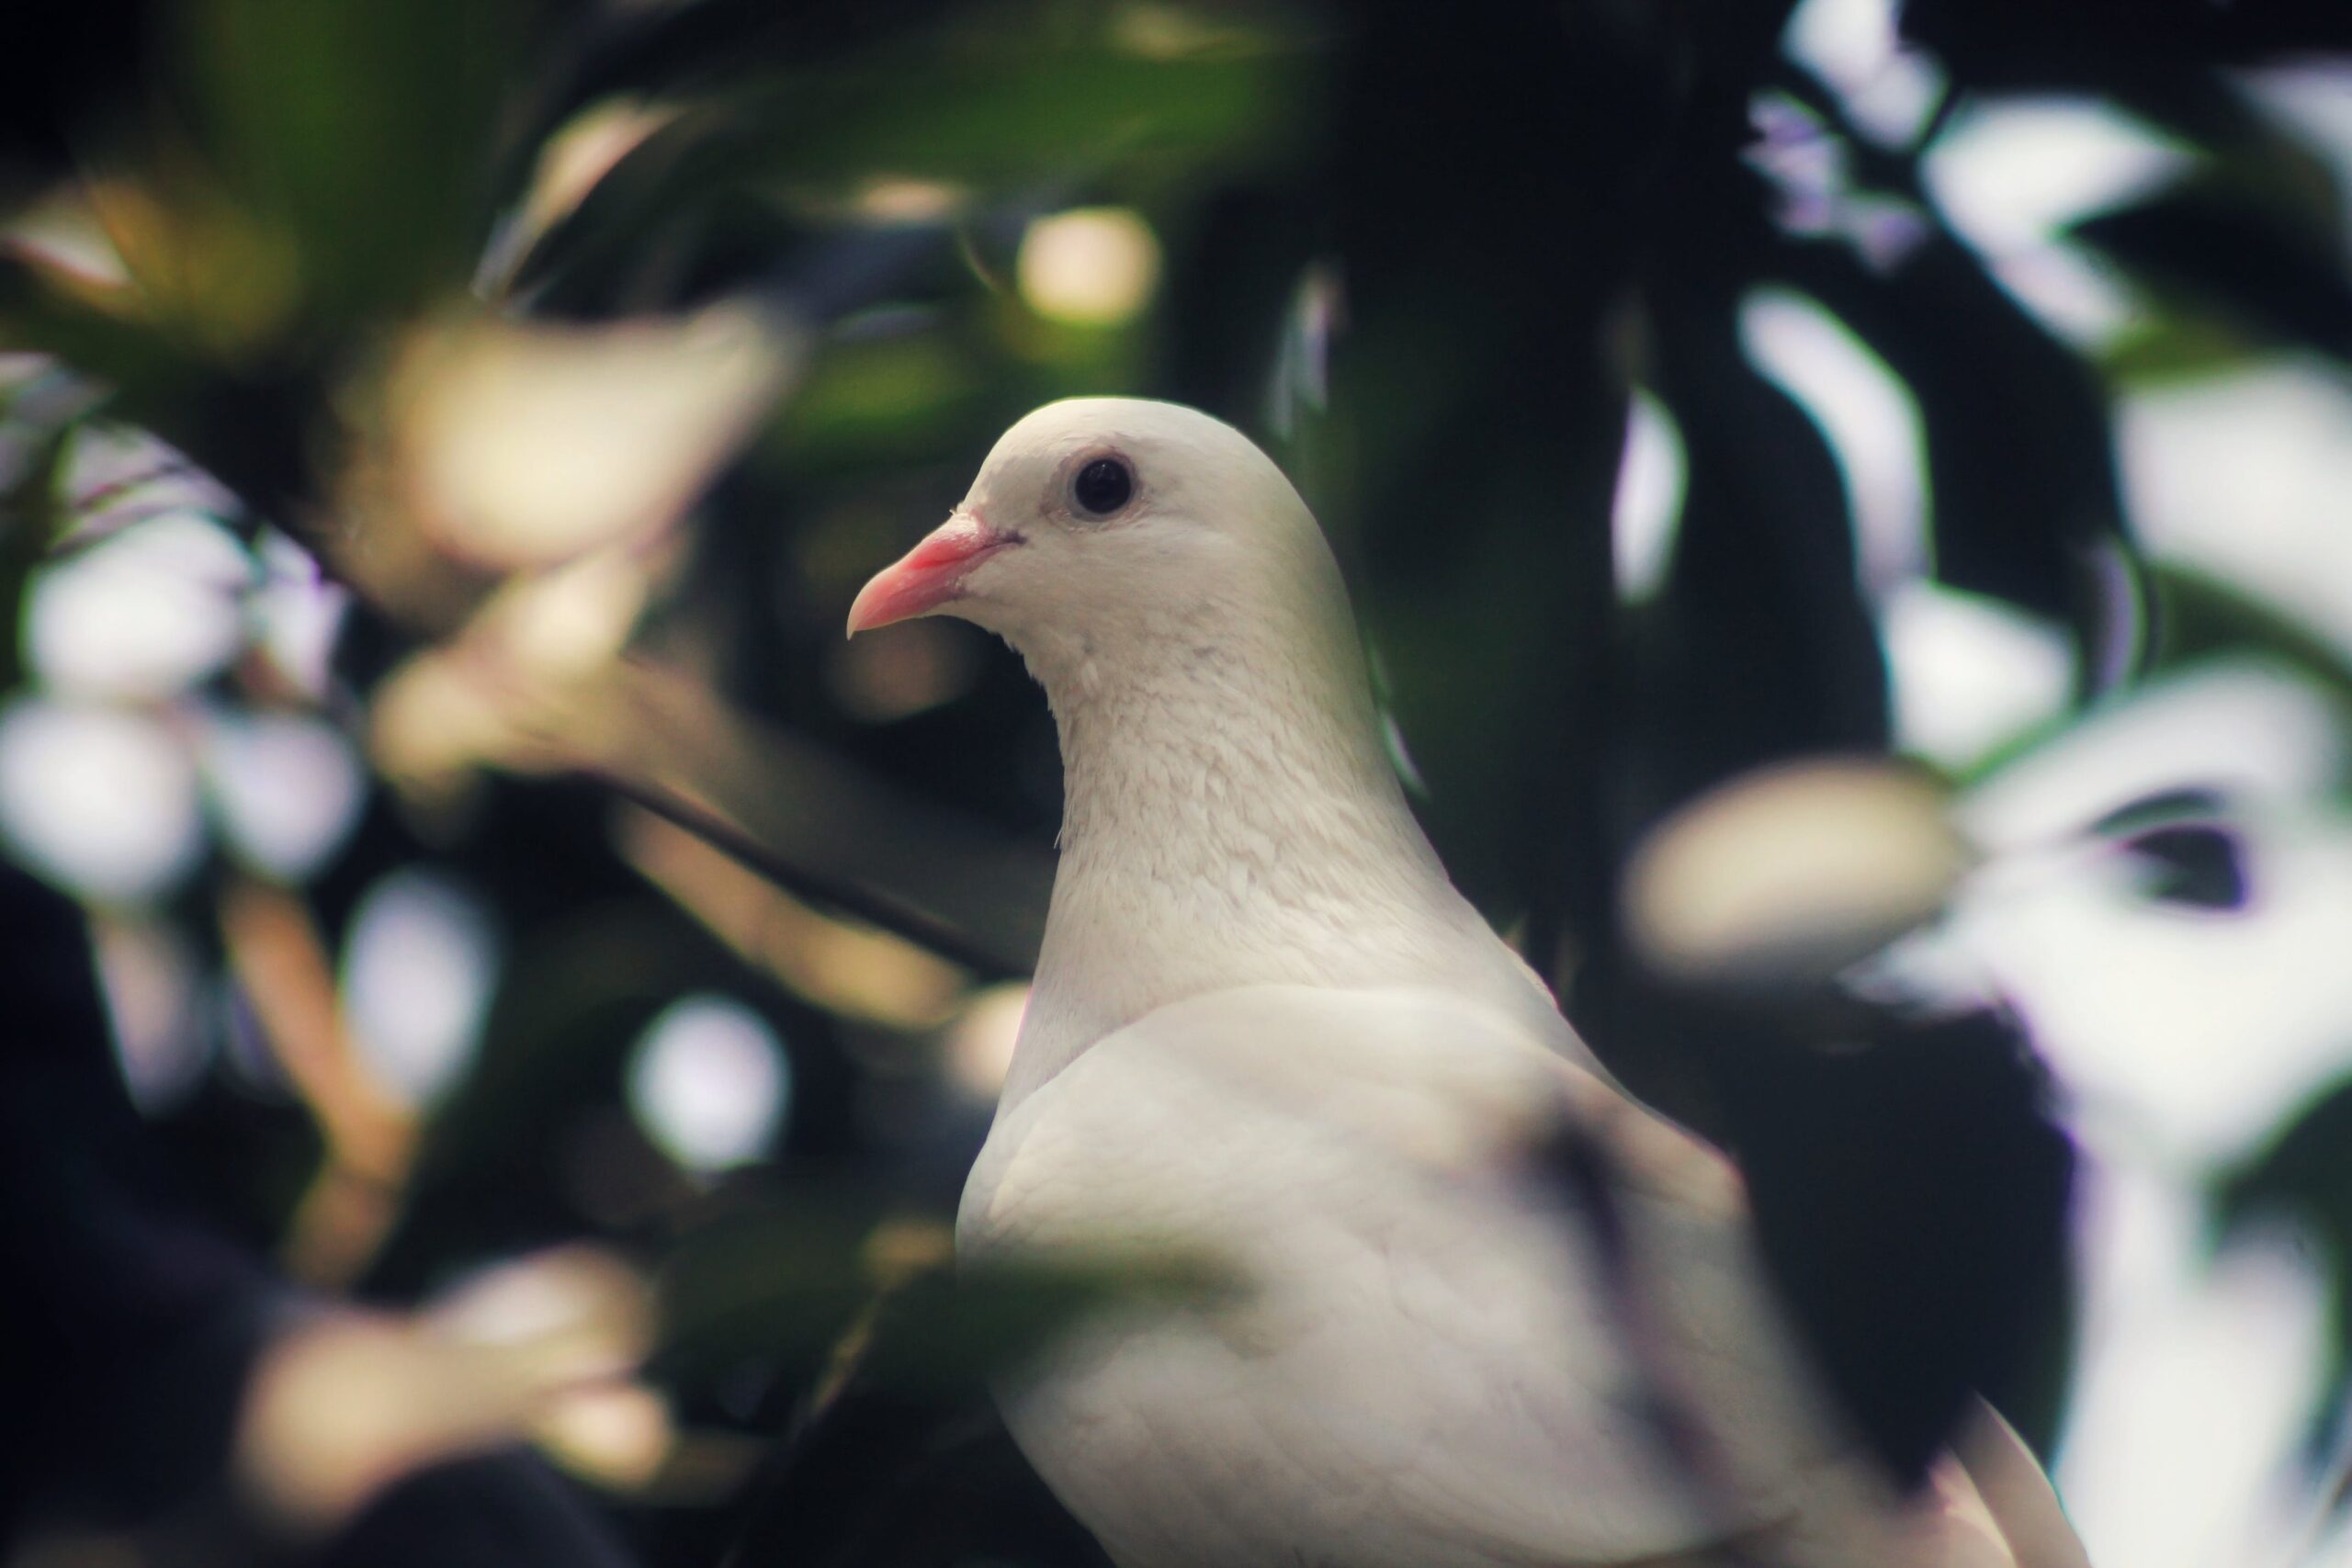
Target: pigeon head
point(1105, 526)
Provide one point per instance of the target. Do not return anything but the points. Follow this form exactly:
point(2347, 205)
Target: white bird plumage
point(1266, 1027)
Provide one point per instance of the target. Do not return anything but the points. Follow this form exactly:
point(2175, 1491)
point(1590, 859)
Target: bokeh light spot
point(1091, 267)
point(709, 1082)
point(418, 969)
point(2245, 475)
point(979, 1047)
point(1854, 47)
point(2012, 177)
point(286, 787)
point(1789, 872)
point(1865, 413)
point(296, 613)
point(2010, 174)
point(149, 975)
point(1651, 479)
point(525, 444)
point(1969, 672)
point(142, 614)
point(101, 801)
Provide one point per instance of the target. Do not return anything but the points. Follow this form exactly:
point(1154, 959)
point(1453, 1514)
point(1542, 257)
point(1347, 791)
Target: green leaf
point(2175, 345)
point(994, 1317)
point(985, 120)
point(140, 365)
point(362, 131)
point(997, 115)
point(2197, 616)
point(30, 521)
point(790, 1280)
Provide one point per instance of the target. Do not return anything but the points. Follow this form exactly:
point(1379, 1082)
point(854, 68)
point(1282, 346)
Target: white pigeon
point(1266, 1027)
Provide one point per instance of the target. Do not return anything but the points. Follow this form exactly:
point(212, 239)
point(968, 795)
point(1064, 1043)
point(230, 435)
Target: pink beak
point(928, 575)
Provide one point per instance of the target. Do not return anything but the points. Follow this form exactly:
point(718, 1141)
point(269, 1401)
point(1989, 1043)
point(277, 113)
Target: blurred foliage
point(1427, 261)
point(2305, 1179)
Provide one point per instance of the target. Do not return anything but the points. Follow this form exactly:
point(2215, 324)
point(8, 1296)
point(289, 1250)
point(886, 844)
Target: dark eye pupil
point(1104, 486)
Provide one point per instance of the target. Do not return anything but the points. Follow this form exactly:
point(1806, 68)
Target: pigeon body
point(1492, 1311)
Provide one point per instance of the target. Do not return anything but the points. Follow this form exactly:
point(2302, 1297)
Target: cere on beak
point(928, 575)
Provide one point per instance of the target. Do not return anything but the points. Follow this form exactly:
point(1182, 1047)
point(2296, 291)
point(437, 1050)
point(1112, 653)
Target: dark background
point(395, 913)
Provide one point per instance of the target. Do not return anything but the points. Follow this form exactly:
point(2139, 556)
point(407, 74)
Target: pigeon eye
point(1101, 487)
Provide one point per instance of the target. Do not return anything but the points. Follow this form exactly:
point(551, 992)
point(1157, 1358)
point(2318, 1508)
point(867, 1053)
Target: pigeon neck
point(1230, 818)
point(1187, 765)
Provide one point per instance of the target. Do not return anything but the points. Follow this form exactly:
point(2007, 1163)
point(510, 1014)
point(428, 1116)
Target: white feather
point(1265, 1026)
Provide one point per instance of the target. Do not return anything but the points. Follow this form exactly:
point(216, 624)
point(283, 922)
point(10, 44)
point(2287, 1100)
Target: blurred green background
point(441, 439)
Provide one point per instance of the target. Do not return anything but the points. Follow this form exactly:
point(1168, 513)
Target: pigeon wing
point(1491, 1310)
